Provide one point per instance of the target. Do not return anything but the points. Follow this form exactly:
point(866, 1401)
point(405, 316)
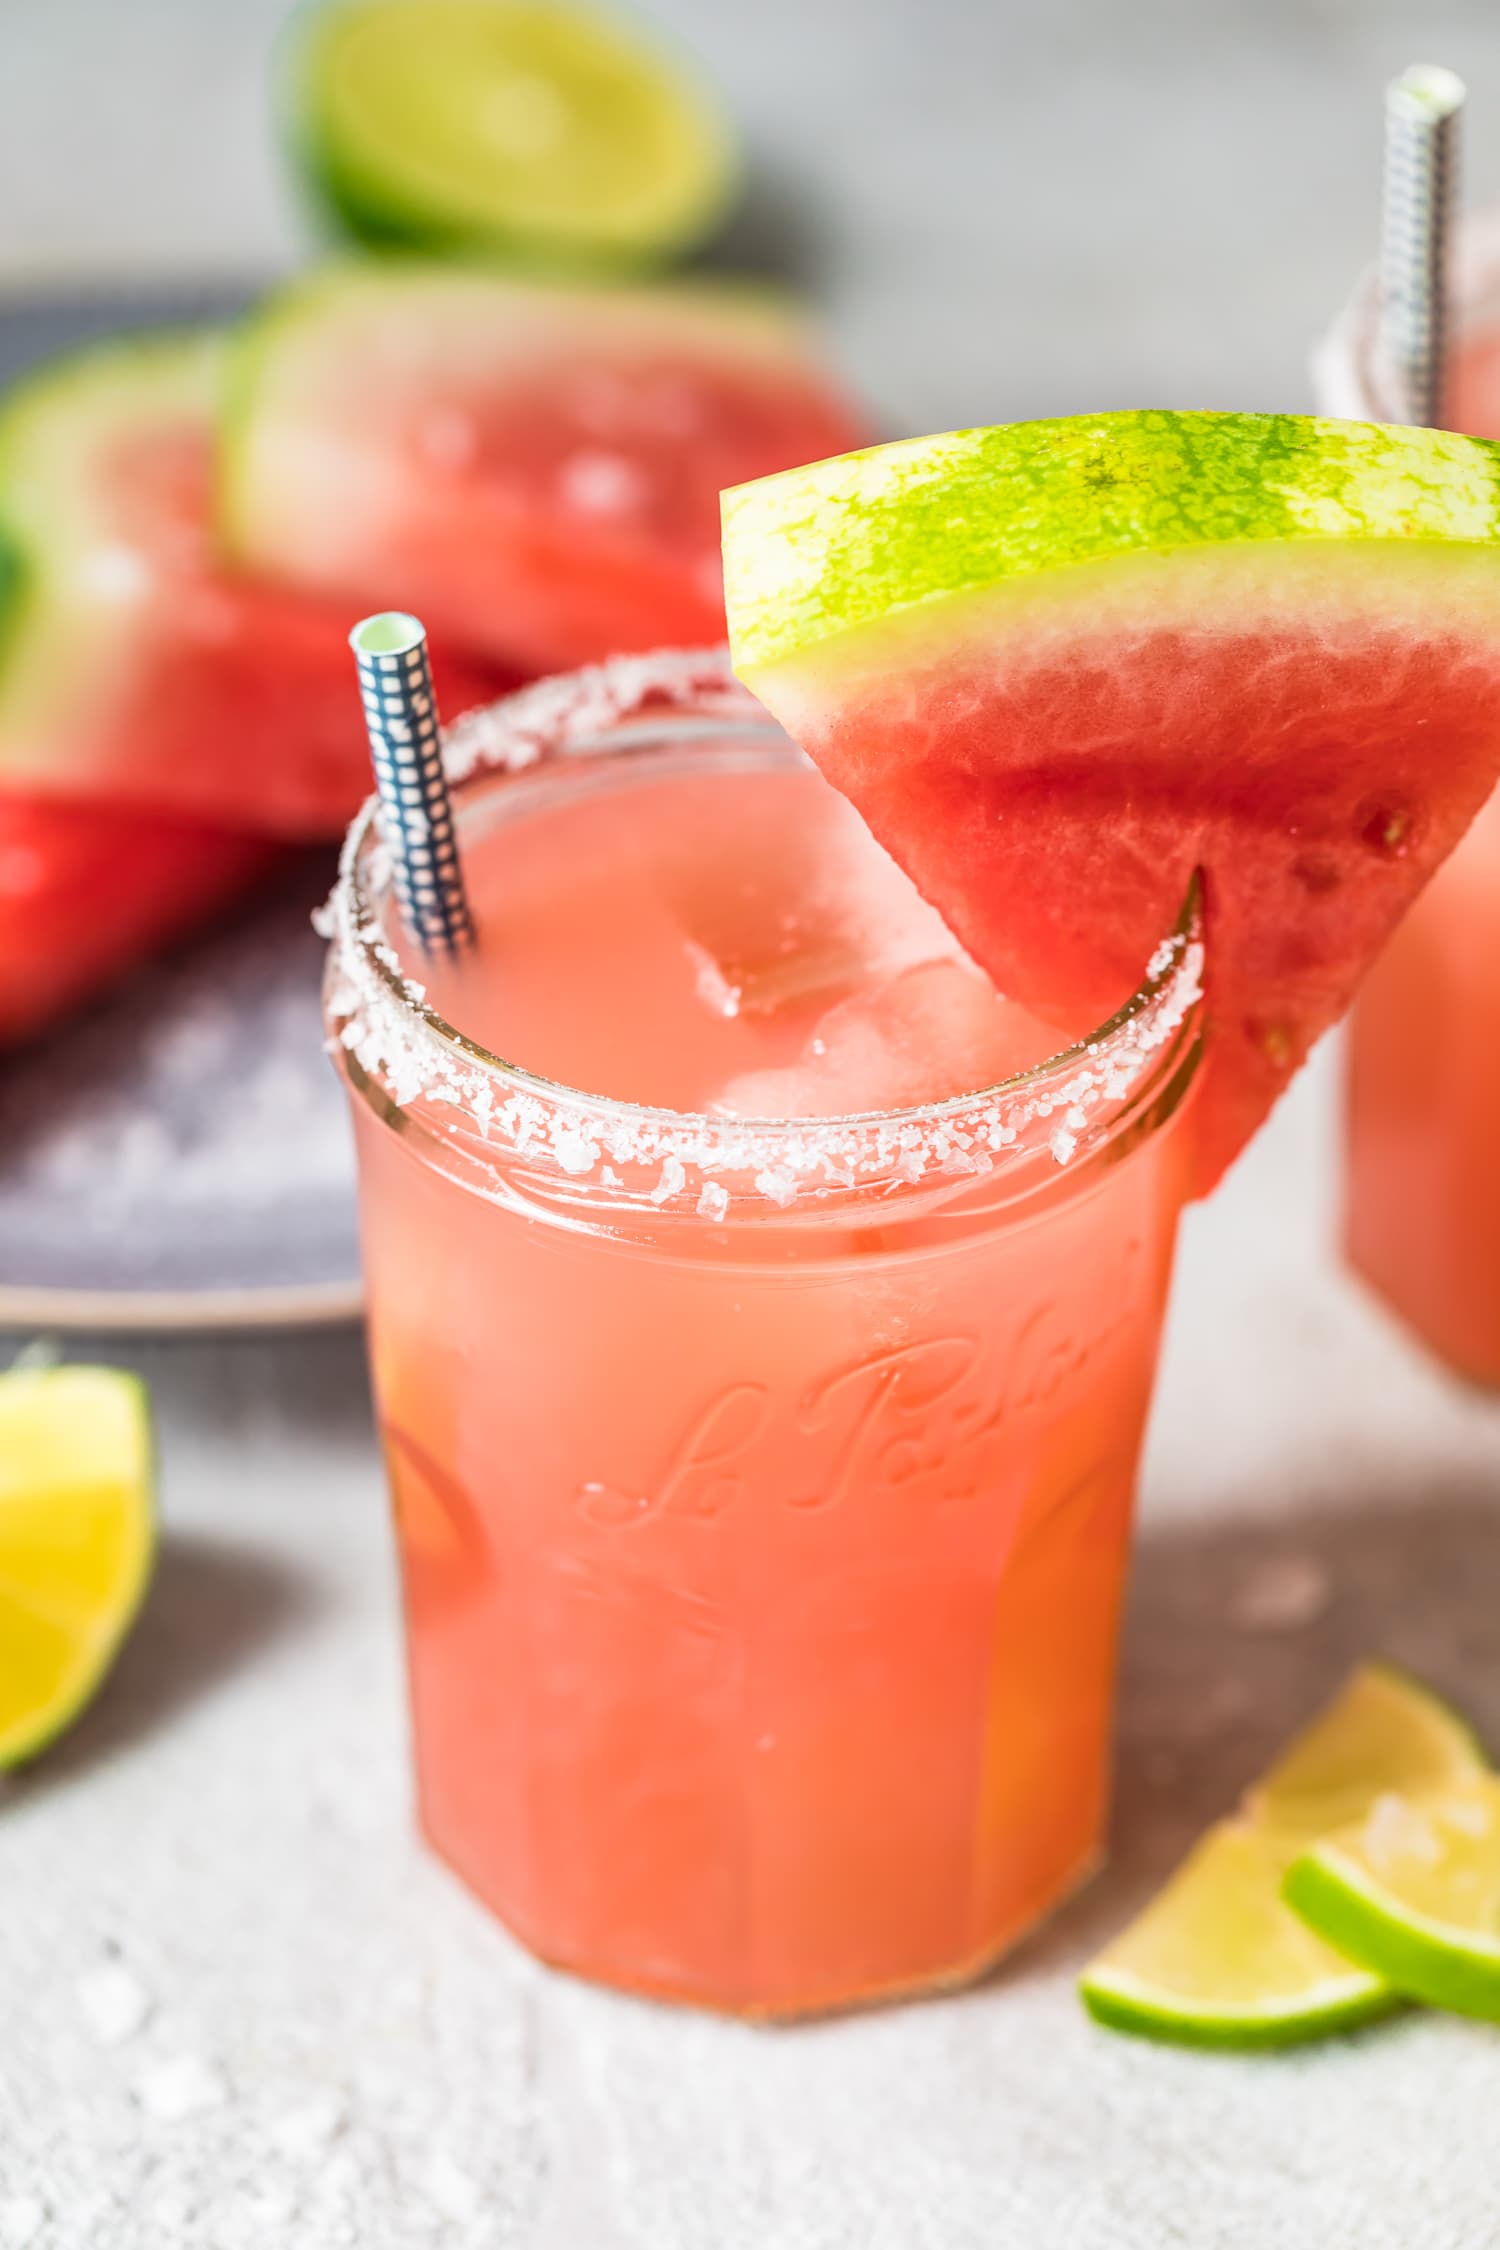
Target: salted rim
point(380, 1019)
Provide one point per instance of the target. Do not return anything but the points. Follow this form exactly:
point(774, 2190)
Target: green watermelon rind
point(90, 381)
point(368, 203)
point(818, 553)
point(252, 343)
point(16, 593)
point(91, 372)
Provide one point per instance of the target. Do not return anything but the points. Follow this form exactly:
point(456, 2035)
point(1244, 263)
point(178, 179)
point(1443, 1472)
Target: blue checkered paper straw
point(395, 684)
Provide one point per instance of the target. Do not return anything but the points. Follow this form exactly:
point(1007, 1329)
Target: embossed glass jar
point(763, 1491)
point(1422, 1098)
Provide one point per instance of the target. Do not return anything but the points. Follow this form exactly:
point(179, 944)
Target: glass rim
point(692, 695)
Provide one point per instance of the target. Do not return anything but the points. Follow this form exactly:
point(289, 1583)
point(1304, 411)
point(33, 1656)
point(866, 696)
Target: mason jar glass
point(763, 1489)
point(1422, 1099)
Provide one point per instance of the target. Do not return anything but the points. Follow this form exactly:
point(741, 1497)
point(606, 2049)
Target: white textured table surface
point(237, 2004)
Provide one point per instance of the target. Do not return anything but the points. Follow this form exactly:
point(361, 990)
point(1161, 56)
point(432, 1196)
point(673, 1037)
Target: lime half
point(1412, 1892)
point(1219, 1958)
point(537, 130)
point(76, 1541)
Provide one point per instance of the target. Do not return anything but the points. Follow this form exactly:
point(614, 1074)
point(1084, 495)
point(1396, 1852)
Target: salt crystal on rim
point(574, 1151)
point(777, 1183)
point(672, 1182)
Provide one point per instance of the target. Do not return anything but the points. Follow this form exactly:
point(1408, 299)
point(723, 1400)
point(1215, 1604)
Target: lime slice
point(1412, 1892)
point(1219, 1958)
point(541, 130)
point(76, 1541)
point(1384, 1732)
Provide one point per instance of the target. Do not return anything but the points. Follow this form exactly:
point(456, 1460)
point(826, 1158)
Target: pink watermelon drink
point(762, 1416)
point(1422, 1197)
point(1474, 384)
point(536, 469)
point(1422, 1113)
point(763, 1489)
point(135, 665)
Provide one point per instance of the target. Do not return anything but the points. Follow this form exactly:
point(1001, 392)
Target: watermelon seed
point(1388, 830)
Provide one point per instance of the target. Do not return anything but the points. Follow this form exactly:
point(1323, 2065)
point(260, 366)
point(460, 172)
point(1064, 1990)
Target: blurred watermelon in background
point(86, 890)
point(136, 662)
point(191, 521)
point(534, 470)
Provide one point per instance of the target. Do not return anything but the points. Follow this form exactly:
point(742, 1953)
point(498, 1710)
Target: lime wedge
point(1412, 1892)
point(76, 1541)
point(1385, 1731)
point(1219, 1958)
point(532, 128)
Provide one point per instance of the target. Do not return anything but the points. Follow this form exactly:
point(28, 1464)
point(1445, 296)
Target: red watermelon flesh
point(139, 666)
point(88, 891)
point(542, 465)
point(1055, 807)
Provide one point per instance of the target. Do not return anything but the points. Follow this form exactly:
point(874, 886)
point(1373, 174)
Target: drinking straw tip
point(1427, 91)
point(394, 632)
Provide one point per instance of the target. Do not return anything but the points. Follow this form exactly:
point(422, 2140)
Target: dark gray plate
point(179, 1157)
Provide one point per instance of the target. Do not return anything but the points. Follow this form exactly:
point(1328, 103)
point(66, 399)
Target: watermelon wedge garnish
point(534, 469)
point(1059, 666)
point(136, 665)
point(88, 891)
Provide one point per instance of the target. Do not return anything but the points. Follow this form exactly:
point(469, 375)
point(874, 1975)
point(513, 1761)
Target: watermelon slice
point(1059, 666)
point(87, 891)
point(134, 665)
point(535, 470)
